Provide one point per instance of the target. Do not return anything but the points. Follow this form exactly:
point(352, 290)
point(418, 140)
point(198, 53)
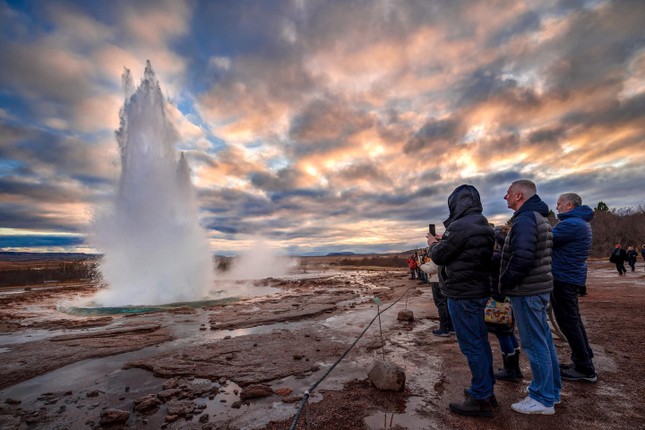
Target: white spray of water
point(155, 251)
point(260, 262)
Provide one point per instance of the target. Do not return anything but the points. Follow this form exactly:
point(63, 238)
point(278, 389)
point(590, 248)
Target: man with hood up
point(571, 247)
point(465, 251)
point(525, 276)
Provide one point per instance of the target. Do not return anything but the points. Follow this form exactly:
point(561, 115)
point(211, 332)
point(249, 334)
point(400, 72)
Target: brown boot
point(472, 407)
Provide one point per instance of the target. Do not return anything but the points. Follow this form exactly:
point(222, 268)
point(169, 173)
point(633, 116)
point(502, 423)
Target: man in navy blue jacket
point(525, 277)
point(571, 247)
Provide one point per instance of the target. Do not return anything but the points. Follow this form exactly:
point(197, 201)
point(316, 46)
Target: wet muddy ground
point(246, 364)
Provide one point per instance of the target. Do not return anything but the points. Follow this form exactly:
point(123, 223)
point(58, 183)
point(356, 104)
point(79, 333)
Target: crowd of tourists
point(527, 266)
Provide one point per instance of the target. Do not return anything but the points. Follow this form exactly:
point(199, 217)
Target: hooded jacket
point(572, 245)
point(526, 259)
point(466, 247)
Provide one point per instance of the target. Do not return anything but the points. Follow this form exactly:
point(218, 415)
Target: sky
point(319, 126)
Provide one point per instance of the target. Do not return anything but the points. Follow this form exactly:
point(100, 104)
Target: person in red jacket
point(412, 262)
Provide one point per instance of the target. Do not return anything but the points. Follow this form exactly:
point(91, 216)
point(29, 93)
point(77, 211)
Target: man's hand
point(432, 239)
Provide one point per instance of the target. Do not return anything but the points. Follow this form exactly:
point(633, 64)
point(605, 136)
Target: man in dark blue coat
point(465, 251)
point(525, 276)
point(571, 247)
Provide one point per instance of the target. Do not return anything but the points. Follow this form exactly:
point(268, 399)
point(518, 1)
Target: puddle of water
point(408, 419)
point(101, 311)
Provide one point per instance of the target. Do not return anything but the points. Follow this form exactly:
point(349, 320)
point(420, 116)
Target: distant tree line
point(611, 226)
point(377, 260)
point(40, 274)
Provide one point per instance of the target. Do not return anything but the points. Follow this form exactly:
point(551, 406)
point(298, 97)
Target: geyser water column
point(154, 250)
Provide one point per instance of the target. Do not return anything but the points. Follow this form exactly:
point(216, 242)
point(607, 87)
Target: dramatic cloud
point(324, 125)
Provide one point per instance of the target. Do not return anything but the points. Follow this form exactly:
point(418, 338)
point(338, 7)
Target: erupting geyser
point(155, 251)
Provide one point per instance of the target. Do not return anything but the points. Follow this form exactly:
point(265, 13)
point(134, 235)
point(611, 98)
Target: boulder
point(146, 404)
point(255, 391)
point(405, 315)
point(387, 376)
point(112, 417)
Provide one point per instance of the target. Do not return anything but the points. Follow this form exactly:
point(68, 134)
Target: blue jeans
point(507, 343)
point(472, 335)
point(537, 343)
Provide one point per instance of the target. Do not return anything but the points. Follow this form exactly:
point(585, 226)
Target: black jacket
point(466, 247)
point(526, 258)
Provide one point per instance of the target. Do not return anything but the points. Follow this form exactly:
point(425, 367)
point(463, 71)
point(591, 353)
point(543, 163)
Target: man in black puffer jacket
point(465, 250)
point(525, 277)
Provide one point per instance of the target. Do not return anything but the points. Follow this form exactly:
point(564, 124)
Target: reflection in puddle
point(406, 419)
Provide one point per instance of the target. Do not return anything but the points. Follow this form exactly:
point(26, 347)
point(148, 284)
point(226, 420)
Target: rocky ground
point(247, 364)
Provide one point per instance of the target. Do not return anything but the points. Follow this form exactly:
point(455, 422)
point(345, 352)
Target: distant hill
point(340, 254)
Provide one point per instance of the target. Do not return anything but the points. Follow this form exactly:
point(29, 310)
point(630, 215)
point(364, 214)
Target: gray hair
point(526, 187)
point(572, 198)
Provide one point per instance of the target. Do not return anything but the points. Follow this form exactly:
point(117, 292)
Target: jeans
point(472, 336)
point(567, 314)
point(507, 343)
point(537, 343)
point(441, 302)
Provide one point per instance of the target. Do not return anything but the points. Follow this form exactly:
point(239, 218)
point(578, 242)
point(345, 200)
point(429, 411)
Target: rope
point(307, 393)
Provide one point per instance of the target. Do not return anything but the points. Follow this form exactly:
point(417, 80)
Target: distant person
point(618, 257)
point(643, 252)
point(423, 276)
point(525, 276)
point(505, 335)
point(412, 263)
point(465, 250)
point(632, 255)
point(571, 248)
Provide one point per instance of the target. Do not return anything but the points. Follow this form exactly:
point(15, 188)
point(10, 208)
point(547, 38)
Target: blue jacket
point(572, 245)
point(526, 258)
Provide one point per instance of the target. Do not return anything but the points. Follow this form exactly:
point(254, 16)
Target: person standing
point(412, 263)
point(618, 257)
point(571, 248)
point(441, 302)
point(525, 277)
point(643, 251)
point(632, 254)
point(465, 250)
point(505, 335)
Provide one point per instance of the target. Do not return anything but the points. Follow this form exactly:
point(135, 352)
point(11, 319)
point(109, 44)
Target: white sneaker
point(532, 406)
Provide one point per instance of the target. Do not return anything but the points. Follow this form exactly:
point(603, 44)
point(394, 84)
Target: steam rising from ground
point(155, 251)
point(260, 262)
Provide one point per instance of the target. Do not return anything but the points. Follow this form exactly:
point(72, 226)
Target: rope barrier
point(307, 394)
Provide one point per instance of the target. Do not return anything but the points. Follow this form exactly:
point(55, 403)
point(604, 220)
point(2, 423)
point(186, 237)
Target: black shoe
point(473, 408)
point(511, 371)
point(573, 375)
point(492, 399)
point(441, 332)
point(509, 375)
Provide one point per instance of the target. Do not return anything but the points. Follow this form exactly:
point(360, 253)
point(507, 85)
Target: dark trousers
point(632, 263)
point(564, 301)
point(441, 302)
point(620, 266)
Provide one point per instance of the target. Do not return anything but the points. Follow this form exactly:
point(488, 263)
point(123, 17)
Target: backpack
point(615, 256)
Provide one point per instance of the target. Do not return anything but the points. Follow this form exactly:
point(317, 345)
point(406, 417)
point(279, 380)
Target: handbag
point(430, 267)
point(497, 312)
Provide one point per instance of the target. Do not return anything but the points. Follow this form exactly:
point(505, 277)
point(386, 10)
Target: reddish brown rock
point(256, 391)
